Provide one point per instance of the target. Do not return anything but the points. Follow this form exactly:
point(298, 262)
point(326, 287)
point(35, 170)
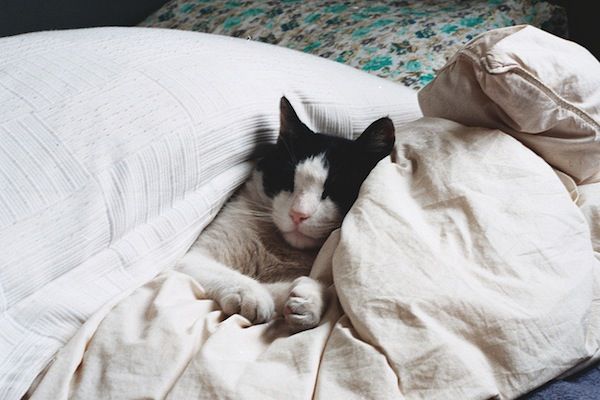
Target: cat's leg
point(236, 293)
point(301, 302)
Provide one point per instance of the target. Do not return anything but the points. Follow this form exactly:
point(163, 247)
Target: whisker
point(259, 205)
point(253, 214)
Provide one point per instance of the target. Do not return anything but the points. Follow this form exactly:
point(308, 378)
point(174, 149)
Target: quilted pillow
point(543, 90)
point(118, 145)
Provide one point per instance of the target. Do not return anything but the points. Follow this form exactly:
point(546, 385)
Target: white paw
point(305, 304)
point(252, 301)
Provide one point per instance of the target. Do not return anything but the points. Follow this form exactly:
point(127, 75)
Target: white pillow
point(118, 145)
point(542, 89)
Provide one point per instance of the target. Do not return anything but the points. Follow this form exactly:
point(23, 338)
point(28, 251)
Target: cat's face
point(312, 179)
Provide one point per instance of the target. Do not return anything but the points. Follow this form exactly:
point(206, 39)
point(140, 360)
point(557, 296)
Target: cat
point(253, 258)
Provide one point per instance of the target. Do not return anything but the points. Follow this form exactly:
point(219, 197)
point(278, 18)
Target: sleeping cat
point(254, 257)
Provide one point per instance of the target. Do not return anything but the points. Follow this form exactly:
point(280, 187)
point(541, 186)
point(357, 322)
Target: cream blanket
point(463, 271)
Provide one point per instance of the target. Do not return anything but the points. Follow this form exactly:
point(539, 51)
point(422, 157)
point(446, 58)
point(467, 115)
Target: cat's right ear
point(378, 139)
point(290, 126)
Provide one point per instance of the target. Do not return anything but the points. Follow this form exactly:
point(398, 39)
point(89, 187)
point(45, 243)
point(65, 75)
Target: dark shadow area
point(583, 25)
point(20, 16)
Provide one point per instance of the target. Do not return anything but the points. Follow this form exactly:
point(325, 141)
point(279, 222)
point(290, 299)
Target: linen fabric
point(542, 89)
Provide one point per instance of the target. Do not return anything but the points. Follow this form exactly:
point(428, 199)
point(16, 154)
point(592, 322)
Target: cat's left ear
point(379, 138)
point(290, 126)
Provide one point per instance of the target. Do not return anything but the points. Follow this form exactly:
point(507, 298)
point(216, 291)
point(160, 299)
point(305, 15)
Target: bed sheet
point(403, 41)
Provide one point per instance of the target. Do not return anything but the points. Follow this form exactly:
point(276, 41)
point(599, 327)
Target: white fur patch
point(309, 181)
point(311, 173)
point(322, 214)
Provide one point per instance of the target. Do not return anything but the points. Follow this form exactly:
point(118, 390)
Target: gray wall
point(19, 16)
point(584, 27)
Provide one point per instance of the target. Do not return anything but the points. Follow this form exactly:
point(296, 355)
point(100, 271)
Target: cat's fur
point(254, 257)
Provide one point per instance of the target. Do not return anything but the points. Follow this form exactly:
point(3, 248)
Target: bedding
point(403, 41)
point(589, 203)
point(497, 79)
point(445, 285)
point(118, 145)
point(483, 313)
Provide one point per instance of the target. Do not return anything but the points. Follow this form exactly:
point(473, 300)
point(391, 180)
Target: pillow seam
point(555, 97)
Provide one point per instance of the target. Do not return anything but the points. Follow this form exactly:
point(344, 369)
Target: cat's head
point(312, 179)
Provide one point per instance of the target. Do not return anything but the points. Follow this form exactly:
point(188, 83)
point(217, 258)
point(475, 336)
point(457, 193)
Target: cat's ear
point(379, 138)
point(290, 126)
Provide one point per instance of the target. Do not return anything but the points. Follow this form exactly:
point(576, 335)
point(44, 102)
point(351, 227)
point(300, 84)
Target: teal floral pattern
point(404, 41)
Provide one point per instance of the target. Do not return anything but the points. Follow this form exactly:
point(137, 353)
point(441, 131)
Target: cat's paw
point(305, 304)
point(251, 301)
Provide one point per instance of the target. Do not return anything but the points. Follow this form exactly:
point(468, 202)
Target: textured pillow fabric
point(543, 90)
point(118, 145)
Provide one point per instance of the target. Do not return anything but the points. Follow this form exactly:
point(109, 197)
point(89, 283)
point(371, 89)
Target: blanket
point(463, 271)
point(403, 41)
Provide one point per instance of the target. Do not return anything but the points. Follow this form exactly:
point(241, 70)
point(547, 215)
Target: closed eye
point(327, 187)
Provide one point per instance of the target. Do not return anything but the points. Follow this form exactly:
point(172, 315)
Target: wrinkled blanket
point(463, 271)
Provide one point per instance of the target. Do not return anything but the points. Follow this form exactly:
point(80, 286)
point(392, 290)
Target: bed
point(119, 149)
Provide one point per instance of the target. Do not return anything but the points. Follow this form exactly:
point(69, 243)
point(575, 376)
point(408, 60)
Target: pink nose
point(298, 217)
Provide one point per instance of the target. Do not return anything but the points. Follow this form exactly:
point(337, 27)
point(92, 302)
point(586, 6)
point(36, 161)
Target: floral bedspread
point(405, 41)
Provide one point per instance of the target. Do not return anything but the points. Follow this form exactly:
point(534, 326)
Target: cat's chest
point(276, 245)
point(271, 257)
point(253, 245)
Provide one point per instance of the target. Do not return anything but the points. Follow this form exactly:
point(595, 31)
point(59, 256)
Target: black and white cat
point(254, 257)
